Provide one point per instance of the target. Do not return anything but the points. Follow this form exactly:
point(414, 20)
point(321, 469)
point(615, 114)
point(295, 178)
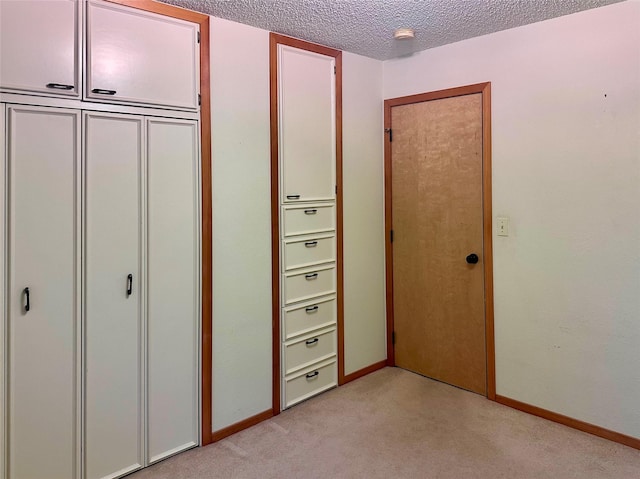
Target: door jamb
point(485, 90)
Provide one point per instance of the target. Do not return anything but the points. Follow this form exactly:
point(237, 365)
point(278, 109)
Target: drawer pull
point(310, 212)
point(27, 297)
point(100, 91)
point(312, 375)
point(311, 309)
point(311, 277)
point(311, 244)
point(312, 342)
point(59, 86)
point(293, 197)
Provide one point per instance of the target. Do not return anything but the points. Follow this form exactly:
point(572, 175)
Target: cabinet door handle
point(311, 342)
point(129, 284)
point(311, 244)
point(27, 304)
point(293, 197)
point(103, 92)
point(310, 212)
point(311, 309)
point(60, 86)
point(312, 375)
point(311, 277)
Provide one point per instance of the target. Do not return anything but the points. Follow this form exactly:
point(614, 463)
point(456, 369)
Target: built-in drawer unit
point(309, 251)
point(310, 381)
point(303, 352)
point(309, 283)
point(306, 317)
point(307, 219)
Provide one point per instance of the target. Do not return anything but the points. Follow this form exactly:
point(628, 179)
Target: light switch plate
point(503, 225)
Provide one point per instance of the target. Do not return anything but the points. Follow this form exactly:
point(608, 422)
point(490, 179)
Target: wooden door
point(43, 307)
point(173, 285)
point(45, 33)
point(437, 222)
point(113, 295)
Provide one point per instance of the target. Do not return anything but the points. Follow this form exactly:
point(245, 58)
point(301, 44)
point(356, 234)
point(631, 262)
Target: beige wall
point(241, 222)
point(364, 287)
point(566, 170)
point(242, 215)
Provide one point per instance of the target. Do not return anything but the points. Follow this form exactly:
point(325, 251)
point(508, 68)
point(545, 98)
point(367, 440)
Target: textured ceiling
point(366, 26)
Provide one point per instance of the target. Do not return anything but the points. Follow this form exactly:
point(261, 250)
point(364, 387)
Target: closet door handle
point(310, 212)
point(311, 277)
point(312, 375)
point(293, 197)
point(311, 309)
point(129, 284)
point(27, 305)
point(60, 86)
point(103, 92)
point(311, 342)
point(311, 244)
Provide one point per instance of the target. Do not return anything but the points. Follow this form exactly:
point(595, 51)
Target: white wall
point(362, 147)
point(242, 215)
point(241, 222)
point(566, 170)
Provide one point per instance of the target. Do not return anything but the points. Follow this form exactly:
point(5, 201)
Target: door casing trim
point(485, 90)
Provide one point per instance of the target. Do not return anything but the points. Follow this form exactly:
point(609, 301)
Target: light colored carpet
point(396, 424)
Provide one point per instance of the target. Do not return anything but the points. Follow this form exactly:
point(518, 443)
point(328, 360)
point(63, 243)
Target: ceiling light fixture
point(404, 34)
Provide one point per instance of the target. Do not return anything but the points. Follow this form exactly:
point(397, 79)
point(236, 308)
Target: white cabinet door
point(307, 130)
point(140, 57)
point(3, 273)
point(43, 284)
point(39, 46)
point(173, 285)
point(113, 295)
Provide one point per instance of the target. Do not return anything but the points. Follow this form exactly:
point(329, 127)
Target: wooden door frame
point(485, 90)
point(275, 40)
point(206, 241)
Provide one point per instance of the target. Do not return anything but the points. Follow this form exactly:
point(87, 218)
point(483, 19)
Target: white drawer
point(301, 319)
point(299, 253)
point(309, 283)
point(314, 218)
point(302, 353)
point(310, 382)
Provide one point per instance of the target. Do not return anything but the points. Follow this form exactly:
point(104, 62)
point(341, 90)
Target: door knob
point(472, 258)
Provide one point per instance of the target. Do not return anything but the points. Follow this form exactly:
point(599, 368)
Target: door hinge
point(336, 189)
point(199, 99)
point(334, 70)
point(391, 236)
point(198, 37)
point(393, 337)
point(390, 131)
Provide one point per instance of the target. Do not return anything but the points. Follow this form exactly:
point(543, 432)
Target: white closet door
point(173, 285)
point(3, 299)
point(114, 327)
point(39, 46)
point(307, 140)
point(43, 258)
point(136, 56)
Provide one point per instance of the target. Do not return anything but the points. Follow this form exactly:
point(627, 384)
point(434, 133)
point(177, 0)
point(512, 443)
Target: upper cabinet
point(39, 46)
point(139, 57)
point(307, 124)
point(130, 56)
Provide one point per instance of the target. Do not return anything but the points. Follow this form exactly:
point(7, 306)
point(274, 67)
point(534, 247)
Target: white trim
point(3, 273)
point(35, 100)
